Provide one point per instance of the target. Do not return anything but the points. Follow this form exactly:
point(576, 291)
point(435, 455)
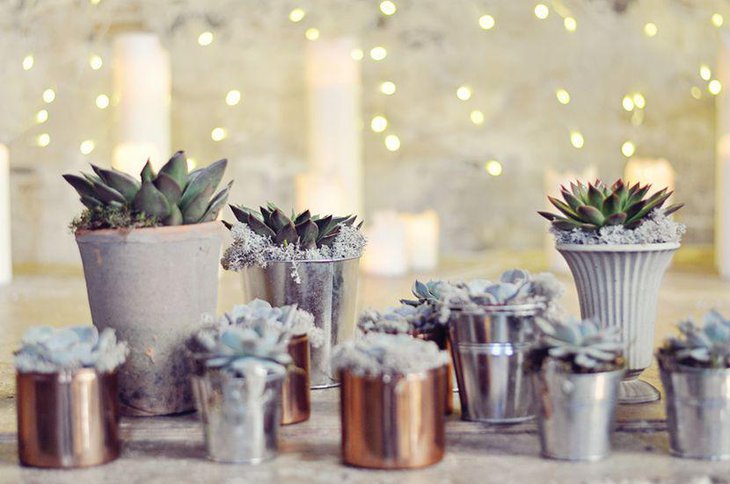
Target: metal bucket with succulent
point(618, 242)
point(66, 384)
point(391, 401)
point(576, 370)
point(492, 330)
point(150, 252)
point(237, 379)
point(308, 260)
point(695, 372)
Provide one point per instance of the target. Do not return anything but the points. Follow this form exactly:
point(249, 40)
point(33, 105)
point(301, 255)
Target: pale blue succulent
point(707, 345)
point(399, 319)
point(582, 343)
point(513, 285)
point(426, 292)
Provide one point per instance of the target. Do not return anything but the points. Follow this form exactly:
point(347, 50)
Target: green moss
point(112, 218)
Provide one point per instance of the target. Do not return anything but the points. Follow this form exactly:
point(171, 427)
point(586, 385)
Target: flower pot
point(327, 289)
point(489, 350)
point(67, 419)
point(618, 285)
point(576, 412)
point(295, 403)
point(152, 285)
point(240, 415)
point(440, 336)
point(698, 411)
point(393, 421)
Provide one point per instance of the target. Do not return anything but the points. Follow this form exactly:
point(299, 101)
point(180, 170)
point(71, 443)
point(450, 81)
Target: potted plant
point(695, 372)
point(237, 381)
point(307, 260)
point(66, 384)
point(149, 250)
point(391, 401)
point(576, 371)
point(618, 242)
point(492, 330)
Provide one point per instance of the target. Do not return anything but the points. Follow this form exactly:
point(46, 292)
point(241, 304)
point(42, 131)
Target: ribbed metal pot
point(295, 401)
point(489, 348)
point(327, 289)
point(619, 286)
point(698, 412)
point(576, 413)
point(67, 419)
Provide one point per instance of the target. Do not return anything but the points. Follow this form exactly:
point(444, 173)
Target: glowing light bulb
point(486, 22)
point(297, 15)
point(388, 7)
point(576, 139)
point(570, 24)
point(477, 117)
point(87, 146)
point(493, 167)
point(312, 33)
point(696, 92)
point(378, 53)
point(378, 124)
point(463, 93)
point(392, 142)
point(233, 97)
point(628, 103)
point(41, 116)
point(102, 101)
point(717, 20)
point(357, 54)
point(714, 87)
point(628, 149)
point(43, 140)
point(563, 96)
point(650, 29)
point(388, 88)
point(705, 72)
point(49, 95)
point(218, 134)
point(95, 62)
point(28, 62)
point(205, 38)
point(639, 100)
point(542, 11)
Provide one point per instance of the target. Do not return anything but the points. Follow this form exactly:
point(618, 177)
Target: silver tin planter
point(698, 411)
point(490, 349)
point(576, 412)
point(240, 415)
point(327, 289)
point(619, 286)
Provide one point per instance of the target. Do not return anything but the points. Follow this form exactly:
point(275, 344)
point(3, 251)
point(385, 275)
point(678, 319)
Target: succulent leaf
point(193, 212)
point(147, 174)
point(107, 194)
point(177, 169)
point(217, 203)
point(287, 235)
point(83, 186)
point(169, 187)
point(175, 217)
point(151, 201)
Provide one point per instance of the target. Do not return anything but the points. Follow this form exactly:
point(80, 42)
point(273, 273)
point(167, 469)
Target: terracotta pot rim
point(661, 246)
point(139, 234)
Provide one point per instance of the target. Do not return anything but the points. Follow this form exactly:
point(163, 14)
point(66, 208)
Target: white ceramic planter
point(619, 286)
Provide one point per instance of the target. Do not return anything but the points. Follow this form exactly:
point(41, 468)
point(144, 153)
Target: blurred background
point(443, 123)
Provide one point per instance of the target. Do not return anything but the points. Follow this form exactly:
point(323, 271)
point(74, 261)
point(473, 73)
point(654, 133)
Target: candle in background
point(386, 253)
point(422, 240)
point(6, 257)
point(656, 171)
point(142, 95)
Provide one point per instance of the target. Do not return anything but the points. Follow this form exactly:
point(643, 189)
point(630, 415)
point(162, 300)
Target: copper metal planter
point(295, 402)
point(393, 421)
point(440, 336)
point(67, 419)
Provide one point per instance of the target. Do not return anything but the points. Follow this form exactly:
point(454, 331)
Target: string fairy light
point(717, 20)
point(714, 86)
point(297, 15)
point(102, 101)
point(563, 96)
point(570, 24)
point(95, 62)
point(312, 33)
point(705, 72)
point(628, 103)
point(218, 134)
point(357, 54)
point(493, 167)
point(205, 38)
point(477, 117)
point(628, 149)
point(696, 92)
point(650, 29)
point(41, 116)
point(379, 123)
point(49, 95)
point(388, 7)
point(87, 146)
point(233, 97)
point(388, 88)
point(541, 11)
point(463, 93)
point(378, 53)
point(639, 100)
point(43, 140)
point(392, 142)
point(28, 62)
point(576, 139)
point(486, 22)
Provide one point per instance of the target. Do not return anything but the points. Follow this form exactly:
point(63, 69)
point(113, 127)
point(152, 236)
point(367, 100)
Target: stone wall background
point(434, 46)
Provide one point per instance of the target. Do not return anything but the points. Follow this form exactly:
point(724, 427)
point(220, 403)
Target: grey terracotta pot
point(152, 286)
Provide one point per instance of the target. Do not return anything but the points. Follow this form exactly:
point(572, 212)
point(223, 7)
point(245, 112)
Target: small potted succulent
point(491, 327)
point(576, 370)
point(695, 372)
point(618, 242)
point(237, 381)
point(301, 331)
point(308, 260)
point(66, 383)
point(391, 401)
point(150, 252)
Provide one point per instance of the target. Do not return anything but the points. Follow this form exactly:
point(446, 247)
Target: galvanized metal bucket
point(326, 288)
point(490, 348)
point(576, 413)
point(698, 412)
point(67, 419)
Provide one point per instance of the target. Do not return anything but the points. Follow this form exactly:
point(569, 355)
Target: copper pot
point(67, 419)
point(441, 337)
point(295, 391)
point(393, 421)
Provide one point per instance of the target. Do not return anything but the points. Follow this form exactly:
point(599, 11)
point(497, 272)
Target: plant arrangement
point(173, 196)
point(405, 318)
point(699, 346)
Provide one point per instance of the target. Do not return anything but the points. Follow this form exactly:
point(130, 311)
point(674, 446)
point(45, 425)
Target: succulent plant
point(706, 346)
point(49, 350)
point(431, 292)
point(596, 205)
point(405, 318)
point(581, 344)
point(307, 230)
point(172, 197)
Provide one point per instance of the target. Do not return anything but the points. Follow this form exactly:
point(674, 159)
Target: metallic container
point(393, 421)
point(698, 412)
point(489, 349)
point(295, 402)
point(440, 336)
point(326, 288)
point(67, 419)
point(576, 413)
point(240, 415)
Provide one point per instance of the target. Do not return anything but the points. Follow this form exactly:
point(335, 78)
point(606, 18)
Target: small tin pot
point(295, 400)
point(393, 421)
point(67, 419)
point(698, 411)
point(440, 336)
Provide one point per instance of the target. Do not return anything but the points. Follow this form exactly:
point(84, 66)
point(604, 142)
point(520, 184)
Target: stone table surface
point(170, 449)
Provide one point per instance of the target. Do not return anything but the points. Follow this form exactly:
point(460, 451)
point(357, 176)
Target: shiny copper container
point(295, 401)
point(393, 421)
point(67, 419)
point(440, 336)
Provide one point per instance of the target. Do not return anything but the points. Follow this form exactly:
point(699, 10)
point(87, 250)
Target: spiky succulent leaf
point(169, 187)
point(83, 186)
point(308, 233)
point(148, 173)
point(151, 201)
point(195, 209)
point(177, 168)
point(120, 181)
point(215, 205)
point(287, 235)
point(107, 194)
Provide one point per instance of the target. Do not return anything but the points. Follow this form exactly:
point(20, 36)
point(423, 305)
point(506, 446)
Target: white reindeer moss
point(657, 228)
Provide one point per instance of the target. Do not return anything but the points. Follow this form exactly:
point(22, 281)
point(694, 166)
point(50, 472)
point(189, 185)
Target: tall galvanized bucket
point(325, 288)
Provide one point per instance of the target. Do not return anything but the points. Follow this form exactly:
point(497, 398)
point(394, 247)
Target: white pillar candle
point(656, 171)
point(6, 258)
point(722, 175)
point(142, 101)
point(422, 240)
point(387, 253)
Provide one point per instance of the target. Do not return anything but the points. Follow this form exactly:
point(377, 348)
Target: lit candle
point(387, 253)
point(6, 259)
point(422, 240)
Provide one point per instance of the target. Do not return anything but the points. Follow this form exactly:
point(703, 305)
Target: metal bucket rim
point(305, 261)
point(691, 370)
point(530, 308)
point(582, 376)
point(656, 247)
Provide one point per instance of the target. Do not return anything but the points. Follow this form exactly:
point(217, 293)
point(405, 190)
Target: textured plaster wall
point(434, 46)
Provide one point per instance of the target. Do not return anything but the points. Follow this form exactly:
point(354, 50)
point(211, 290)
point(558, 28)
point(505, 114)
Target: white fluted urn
point(618, 285)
